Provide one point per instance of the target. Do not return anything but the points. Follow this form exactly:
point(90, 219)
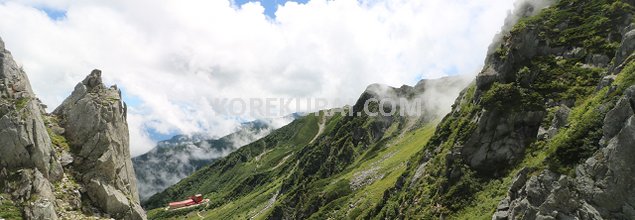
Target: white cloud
point(176, 56)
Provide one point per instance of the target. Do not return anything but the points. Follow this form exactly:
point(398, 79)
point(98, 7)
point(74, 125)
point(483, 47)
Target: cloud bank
point(172, 58)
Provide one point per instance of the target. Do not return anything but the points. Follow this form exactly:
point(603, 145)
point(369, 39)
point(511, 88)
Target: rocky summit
point(71, 164)
point(94, 120)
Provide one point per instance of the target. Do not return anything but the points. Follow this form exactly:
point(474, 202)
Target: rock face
point(627, 46)
point(94, 119)
point(546, 103)
point(37, 167)
point(26, 143)
point(500, 139)
point(27, 155)
point(602, 187)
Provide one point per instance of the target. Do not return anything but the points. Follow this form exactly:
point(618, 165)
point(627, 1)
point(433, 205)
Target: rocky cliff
point(74, 163)
point(28, 163)
point(602, 185)
point(545, 132)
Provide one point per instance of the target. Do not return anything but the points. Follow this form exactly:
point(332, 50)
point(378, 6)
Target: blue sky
point(54, 14)
point(270, 5)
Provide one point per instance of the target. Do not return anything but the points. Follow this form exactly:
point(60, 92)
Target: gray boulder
point(598, 60)
point(576, 53)
point(41, 205)
point(560, 120)
point(627, 46)
point(616, 118)
point(546, 196)
point(606, 81)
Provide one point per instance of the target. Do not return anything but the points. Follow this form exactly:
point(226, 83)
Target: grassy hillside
point(319, 166)
point(248, 166)
point(174, 159)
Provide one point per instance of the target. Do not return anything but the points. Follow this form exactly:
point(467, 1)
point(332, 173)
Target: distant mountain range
point(174, 159)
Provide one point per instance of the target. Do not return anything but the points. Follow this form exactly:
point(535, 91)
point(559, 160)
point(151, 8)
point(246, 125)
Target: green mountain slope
point(250, 164)
point(174, 159)
point(539, 107)
point(329, 164)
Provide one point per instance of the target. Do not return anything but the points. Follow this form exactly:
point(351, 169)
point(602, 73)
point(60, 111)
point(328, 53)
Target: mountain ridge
point(174, 159)
point(272, 173)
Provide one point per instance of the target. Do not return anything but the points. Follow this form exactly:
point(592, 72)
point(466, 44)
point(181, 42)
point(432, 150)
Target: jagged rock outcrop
point(94, 120)
point(559, 120)
point(26, 143)
point(518, 48)
point(27, 159)
point(545, 98)
point(546, 196)
point(626, 47)
point(602, 187)
point(37, 168)
point(501, 136)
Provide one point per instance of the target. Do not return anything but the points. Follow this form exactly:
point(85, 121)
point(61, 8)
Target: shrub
point(501, 97)
point(506, 97)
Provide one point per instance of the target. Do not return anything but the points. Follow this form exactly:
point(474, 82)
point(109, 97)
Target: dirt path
point(268, 206)
point(281, 162)
point(321, 126)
